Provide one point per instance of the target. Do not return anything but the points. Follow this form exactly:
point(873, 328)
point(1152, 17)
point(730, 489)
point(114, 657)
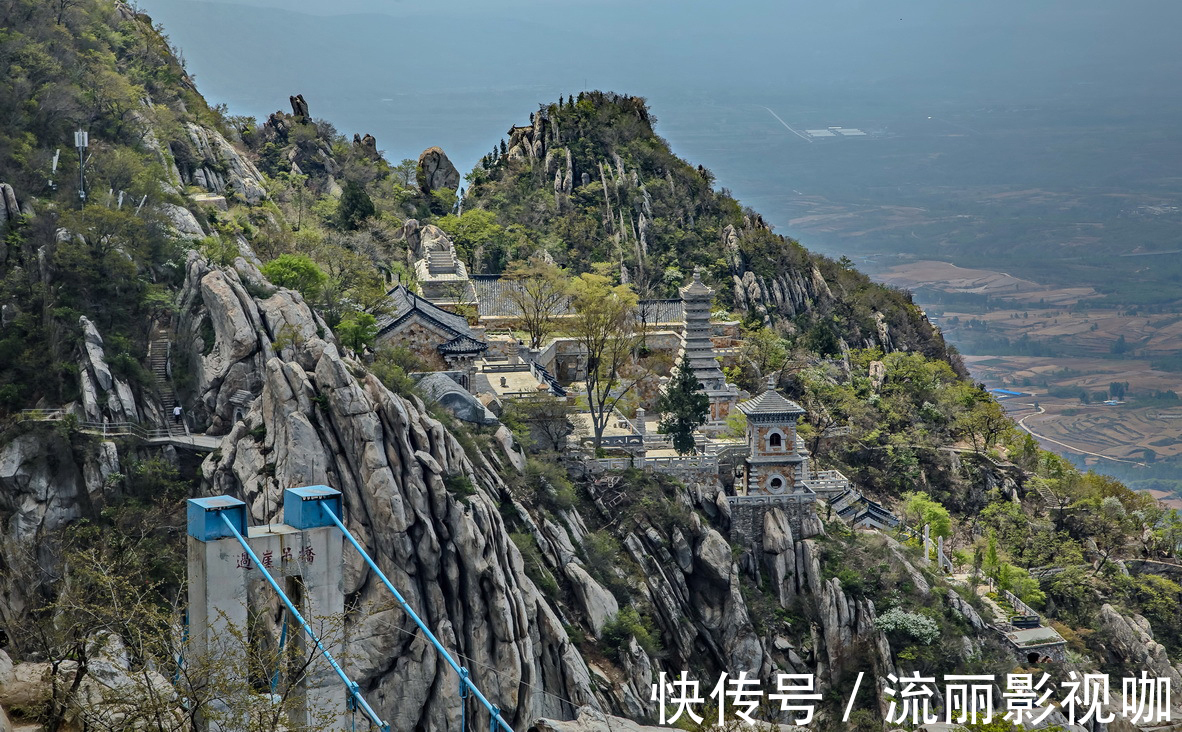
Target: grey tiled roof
point(492, 297)
point(463, 344)
point(661, 311)
point(696, 287)
point(770, 403)
point(493, 300)
point(405, 304)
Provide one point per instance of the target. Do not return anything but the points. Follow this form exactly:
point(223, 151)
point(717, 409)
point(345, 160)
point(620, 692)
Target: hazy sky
point(457, 73)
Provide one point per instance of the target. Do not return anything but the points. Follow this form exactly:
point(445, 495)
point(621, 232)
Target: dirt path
point(1022, 424)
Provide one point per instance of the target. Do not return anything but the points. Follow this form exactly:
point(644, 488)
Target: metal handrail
point(112, 429)
point(354, 690)
point(465, 680)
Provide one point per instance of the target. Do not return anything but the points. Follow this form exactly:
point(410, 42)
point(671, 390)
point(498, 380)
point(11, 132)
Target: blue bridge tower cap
point(302, 506)
point(205, 517)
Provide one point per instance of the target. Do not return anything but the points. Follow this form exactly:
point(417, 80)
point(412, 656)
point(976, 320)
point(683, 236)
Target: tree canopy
point(684, 407)
point(604, 324)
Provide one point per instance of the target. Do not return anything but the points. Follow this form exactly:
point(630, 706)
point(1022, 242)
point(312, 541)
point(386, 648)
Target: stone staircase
point(159, 352)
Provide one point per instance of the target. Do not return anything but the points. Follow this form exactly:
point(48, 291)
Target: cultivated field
point(1055, 345)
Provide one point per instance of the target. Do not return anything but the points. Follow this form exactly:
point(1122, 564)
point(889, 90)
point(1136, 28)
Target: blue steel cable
point(180, 656)
point(496, 721)
point(463, 702)
point(354, 691)
point(279, 659)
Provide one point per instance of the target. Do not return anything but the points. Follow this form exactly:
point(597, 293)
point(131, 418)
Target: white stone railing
point(669, 464)
point(771, 499)
point(827, 481)
point(1019, 606)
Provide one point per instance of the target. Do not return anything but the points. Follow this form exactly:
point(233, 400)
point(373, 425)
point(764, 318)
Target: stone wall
point(759, 474)
point(747, 516)
point(422, 341)
point(1056, 652)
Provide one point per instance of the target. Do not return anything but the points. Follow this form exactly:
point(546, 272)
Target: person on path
point(176, 413)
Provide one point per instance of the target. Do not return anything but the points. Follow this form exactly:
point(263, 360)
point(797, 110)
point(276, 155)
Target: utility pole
point(81, 141)
point(53, 170)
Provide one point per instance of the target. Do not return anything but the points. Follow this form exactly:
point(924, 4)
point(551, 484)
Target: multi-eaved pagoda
point(697, 299)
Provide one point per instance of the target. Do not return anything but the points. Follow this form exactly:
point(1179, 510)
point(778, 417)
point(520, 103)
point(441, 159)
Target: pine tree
point(684, 407)
point(354, 207)
point(504, 148)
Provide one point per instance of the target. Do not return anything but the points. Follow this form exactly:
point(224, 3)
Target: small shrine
point(776, 458)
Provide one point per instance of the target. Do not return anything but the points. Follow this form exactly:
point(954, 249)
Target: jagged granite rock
point(779, 556)
point(970, 614)
point(25, 685)
point(299, 107)
point(436, 171)
point(597, 603)
point(9, 211)
point(101, 700)
point(1129, 639)
point(227, 336)
point(215, 154)
point(184, 224)
point(38, 490)
point(92, 345)
point(368, 145)
point(95, 377)
point(329, 422)
point(917, 578)
point(682, 552)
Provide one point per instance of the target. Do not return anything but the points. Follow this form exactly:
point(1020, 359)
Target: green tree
point(357, 330)
point(763, 351)
point(684, 407)
point(604, 325)
point(921, 509)
point(823, 338)
point(296, 272)
point(354, 207)
point(980, 417)
point(992, 557)
point(481, 242)
point(540, 296)
point(406, 171)
point(541, 422)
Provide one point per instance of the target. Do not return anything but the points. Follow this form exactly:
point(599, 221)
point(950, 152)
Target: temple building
point(441, 338)
point(697, 299)
point(777, 461)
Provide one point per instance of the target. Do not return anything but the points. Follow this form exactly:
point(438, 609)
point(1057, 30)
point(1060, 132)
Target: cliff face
point(321, 419)
point(318, 417)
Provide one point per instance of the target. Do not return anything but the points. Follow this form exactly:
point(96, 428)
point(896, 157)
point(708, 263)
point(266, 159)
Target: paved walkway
point(152, 436)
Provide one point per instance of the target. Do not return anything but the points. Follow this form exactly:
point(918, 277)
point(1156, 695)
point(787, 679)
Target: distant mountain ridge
point(593, 182)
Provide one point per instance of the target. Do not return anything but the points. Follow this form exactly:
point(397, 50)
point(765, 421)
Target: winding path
point(1073, 448)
